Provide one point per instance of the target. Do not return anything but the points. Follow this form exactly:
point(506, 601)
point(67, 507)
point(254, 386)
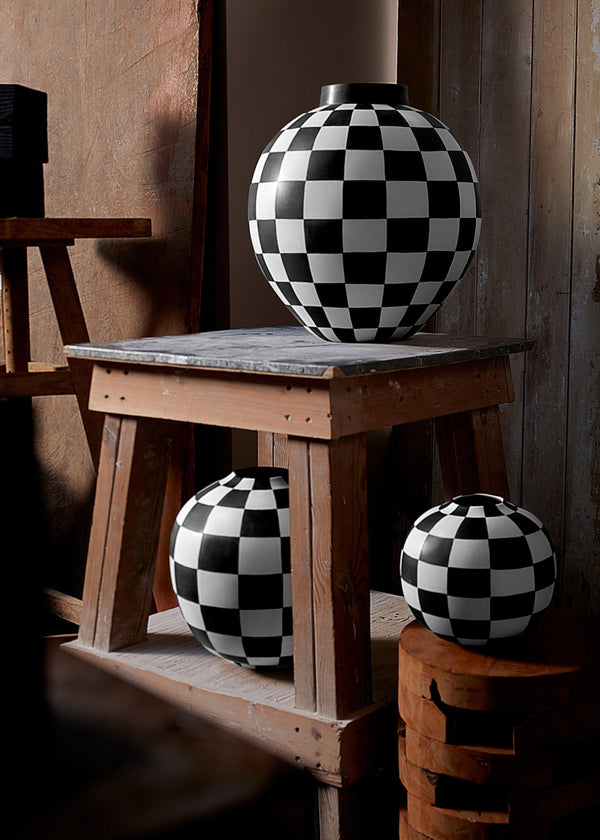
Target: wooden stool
point(502, 743)
point(312, 403)
point(20, 376)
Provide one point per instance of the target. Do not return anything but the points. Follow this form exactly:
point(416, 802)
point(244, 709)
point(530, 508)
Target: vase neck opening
point(259, 472)
point(478, 500)
point(377, 93)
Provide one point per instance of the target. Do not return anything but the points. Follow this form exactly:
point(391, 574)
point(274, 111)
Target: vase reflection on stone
point(364, 213)
point(230, 568)
point(478, 569)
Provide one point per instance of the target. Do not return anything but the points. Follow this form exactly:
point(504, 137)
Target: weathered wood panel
point(504, 177)
point(581, 547)
point(121, 80)
point(518, 82)
point(419, 51)
point(459, 108)
point(550, 211)
point(460, 80)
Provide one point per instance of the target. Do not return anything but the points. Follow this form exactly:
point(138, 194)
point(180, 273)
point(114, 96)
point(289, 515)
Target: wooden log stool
point(501, 743)
point(312, 403)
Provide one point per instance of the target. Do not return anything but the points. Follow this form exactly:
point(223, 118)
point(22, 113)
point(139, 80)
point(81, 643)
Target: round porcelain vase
point(230, 568)
point(478, 568)
point(364, 213)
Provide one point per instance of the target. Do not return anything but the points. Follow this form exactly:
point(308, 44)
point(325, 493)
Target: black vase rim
point(378, 93)
point(259, 472)
point(478, 499)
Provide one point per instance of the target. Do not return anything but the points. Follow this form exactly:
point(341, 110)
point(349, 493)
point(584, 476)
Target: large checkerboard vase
point(230, 568)
point(478, 568)
point(364, 213)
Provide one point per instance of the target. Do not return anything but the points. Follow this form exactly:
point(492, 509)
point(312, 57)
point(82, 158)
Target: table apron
point(305, 407)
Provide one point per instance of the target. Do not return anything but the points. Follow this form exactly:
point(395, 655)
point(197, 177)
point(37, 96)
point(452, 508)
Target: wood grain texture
point(463, 824)
point(301, 534)
point(64, 606)
point(261, 706)
point(127, 514)
point(369, 403)
point(419, 48)
point(521, 735)
point(15, 309)
point(272, 450)
point(479, 434)
point(581, 547)
point(340, 564)
point(47, 230)
point(504, 175)
point(419, 58)
point(518, 83)
point(550, 247)
point(530, 806)
point(99, 531)
point(554, 666)
point(122, 90)
point(460, 110)
point(323, 408)
point(491, 766)
point(37, 381)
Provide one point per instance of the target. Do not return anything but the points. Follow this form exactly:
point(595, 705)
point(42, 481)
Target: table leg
point(330, 574)
point(73, 330)
point(368, 808)
point(130, 490)
point(330, 590)
point(272, 450)
point(15, 309)
point(336, 814)
point(471, 452)
point(162, 589)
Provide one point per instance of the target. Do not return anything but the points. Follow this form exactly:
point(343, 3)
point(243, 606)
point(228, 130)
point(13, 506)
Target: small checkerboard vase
point(230, 568)
point(477, 569)
point(364, 213)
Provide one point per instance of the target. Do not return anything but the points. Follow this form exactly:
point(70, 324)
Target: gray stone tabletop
point(293, 350)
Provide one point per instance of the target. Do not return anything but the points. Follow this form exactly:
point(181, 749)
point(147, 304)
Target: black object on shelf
point(23, 150)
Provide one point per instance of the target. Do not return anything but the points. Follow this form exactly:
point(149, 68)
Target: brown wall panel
point(519, 84)
point(581, 543)
point(121, 80)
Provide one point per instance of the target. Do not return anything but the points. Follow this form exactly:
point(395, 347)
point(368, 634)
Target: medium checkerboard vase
point(364, 213)
point(230, 568)
point(477, 569)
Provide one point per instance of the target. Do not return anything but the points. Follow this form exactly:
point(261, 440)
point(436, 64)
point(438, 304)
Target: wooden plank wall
point(519, 83)
point(122, 82)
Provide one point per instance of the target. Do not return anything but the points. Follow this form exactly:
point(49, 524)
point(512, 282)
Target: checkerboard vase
point(478, 568)
point(364, 213)
point(230, 568)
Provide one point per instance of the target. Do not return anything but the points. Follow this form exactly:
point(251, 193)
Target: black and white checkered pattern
point(477, 568)
point(230, 568)
point(363, 217)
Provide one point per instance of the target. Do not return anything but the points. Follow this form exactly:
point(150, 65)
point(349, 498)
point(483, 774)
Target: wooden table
point(312, 403)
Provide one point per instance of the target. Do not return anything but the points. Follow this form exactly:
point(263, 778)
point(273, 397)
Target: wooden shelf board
point(260, 706)
point(38, 381)
point(18, 231)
